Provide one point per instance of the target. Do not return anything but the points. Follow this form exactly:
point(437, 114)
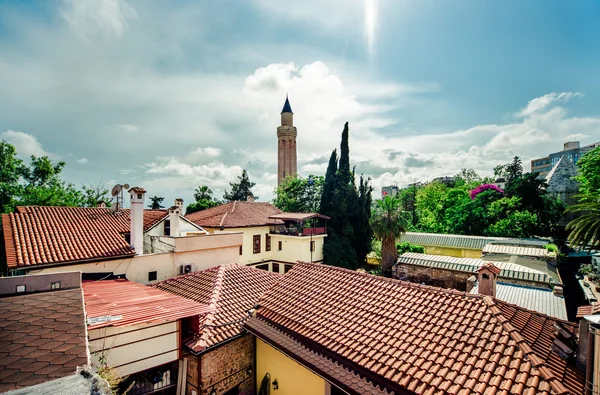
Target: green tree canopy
point(204, 200)
point(240, 190)
point(203, 192)
point(156, 202)
point(299, 195)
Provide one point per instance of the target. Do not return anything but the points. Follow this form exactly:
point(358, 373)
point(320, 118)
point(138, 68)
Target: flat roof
point(297, 216)
point(124, 303)
point(515, 250)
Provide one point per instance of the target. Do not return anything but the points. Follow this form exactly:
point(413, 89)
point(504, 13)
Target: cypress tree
point(345, 174)
point(363, 231)
point(329, 187)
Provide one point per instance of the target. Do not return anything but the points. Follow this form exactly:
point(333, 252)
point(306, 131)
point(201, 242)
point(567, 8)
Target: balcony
point(298, 224)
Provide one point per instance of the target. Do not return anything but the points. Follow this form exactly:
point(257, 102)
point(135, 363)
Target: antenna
point(117, 194)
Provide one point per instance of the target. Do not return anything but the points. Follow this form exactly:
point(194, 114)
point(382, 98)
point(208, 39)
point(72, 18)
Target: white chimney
point(136, 235)
point(250, 198)
point(179, 204)
point(174, 213)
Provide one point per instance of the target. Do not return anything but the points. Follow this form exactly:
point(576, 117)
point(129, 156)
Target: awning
point(298, 216)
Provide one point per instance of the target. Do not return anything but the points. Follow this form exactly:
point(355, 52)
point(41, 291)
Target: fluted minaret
point(286, 136)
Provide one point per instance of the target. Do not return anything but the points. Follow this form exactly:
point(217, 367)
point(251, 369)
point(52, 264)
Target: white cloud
point(128, 128)
point(108, 18)
point(82, 161)
point(209, 152)
point(25, 144)
point(543, 102)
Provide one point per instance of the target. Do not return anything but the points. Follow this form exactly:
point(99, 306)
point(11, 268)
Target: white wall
point(248, 256)
point(202, 252)
point(132, 349)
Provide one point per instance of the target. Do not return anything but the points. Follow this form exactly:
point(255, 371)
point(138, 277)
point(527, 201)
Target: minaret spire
point(286, 136)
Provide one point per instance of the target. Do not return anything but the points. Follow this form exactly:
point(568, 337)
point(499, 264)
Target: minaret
point(286, 136)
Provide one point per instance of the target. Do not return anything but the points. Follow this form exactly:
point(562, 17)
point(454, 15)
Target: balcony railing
point(293, 231)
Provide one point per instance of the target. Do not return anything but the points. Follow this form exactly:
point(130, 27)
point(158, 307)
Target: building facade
point(390, 190)
point(572, 150)
point(286, 149)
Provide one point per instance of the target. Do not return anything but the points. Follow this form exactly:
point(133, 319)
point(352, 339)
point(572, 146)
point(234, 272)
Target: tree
point(389, 222)
point(363, 231)
point(467, 176)
point(11, 169)
point(200, 205)
point(584, 231)
point(514, 169)
point(156, 203)
point(94, 194)
point(203, 192)
point(299, 195)
point(329, 186)
point(240, 190)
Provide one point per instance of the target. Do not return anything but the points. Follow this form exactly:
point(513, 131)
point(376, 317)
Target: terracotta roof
point(231, 290)
point(42, 235)
point(588, 310)
point(491, 267)
point(42, 337)
point(137, 190)
point(235, 214)
point(419, 338)
point(124, 303)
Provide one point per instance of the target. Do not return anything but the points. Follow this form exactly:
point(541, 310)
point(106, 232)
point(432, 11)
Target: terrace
point(298, 224)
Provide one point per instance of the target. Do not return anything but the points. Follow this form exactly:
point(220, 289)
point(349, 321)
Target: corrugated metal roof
point(124, 303)
point(514, 250)
point(453, 241)
point(470, 265)
point(542, 300)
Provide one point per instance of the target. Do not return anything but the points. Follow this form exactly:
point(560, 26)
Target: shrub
point(552, 247)
point(484, 187)
point(408, 247)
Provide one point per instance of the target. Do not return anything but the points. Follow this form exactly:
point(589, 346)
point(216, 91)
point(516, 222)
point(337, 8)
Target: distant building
point(500, 183)
point(445, 180)
point(286, 140)
point(391, 190)
point(571, 150)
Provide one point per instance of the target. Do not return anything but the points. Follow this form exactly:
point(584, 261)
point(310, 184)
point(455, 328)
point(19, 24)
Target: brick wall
point(192, 374)
point(228, 366)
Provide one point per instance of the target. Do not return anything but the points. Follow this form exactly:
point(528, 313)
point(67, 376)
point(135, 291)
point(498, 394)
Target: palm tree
point(156, 202)
point(389, 222)
point(203, 193)
point(585, 229)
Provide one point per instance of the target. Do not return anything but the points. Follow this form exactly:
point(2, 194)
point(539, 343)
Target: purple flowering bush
point(484, 187)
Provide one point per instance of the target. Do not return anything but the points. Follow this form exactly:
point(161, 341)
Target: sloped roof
point(286, 106)
point(236, 214)
point(445, 240)
point(42, 337)
point(508, 270)
point(560, 178)
point(43, 235)
point(125, 303)
point(230, 291)
point(542, 300)
point(514, 250)
point(418, 339)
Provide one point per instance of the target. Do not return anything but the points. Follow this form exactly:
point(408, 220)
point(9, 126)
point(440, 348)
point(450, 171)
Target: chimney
point(101, 204)
point(136, 235)
point(179, 204)
point(174, 213)
point(487, 276)
point(250, 198)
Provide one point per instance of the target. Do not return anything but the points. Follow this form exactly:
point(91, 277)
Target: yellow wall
point(456, 252)
point(293, 378)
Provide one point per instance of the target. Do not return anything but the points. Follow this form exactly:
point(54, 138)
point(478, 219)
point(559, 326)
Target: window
point(267, 242)
point(152, 276)
point(240, 250)
point(312, 246)
point(256, 244)
point(485, 276)
point(280, 245)
point(263, 267)
point(55, 285)
point(275, 267)
point(21, 288)
point(287, 268)
point(167, 227)
point(139, 195)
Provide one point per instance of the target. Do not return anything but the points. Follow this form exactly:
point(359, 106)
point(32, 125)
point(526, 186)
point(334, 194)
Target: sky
point(172, 95)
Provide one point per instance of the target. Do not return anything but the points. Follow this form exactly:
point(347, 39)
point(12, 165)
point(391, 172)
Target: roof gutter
point(68, 263)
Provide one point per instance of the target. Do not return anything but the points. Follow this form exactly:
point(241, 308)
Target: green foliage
point(156, 202)
point(240, 190)
point(299, 195)
point(11, 169)
point(349, 210)
point(389, 222)
point(552, 247)
point(408, 247)
point(586, 269)
point(200, 205)
point(518, 224)
point(467, 177)
point(585, 229)
point(203, 192)
point(94, 194)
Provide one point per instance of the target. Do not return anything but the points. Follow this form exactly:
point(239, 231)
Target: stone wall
point(192, 374)
point(226, 367)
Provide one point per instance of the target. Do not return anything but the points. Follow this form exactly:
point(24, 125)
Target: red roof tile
point(30, 352)
point(128, 303)
point(419, 338)
point(231, 290)
point(235, 214)
point(588, 310)
point(42, 235)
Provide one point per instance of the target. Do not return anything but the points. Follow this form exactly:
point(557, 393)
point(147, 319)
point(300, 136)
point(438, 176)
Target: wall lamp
point(275, 384)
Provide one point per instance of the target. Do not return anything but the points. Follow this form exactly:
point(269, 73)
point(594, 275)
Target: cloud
point(543, 102)
point(25, 144)
point(128, 128)
point(82, 161)
point(209, 152)
point(108, 18)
